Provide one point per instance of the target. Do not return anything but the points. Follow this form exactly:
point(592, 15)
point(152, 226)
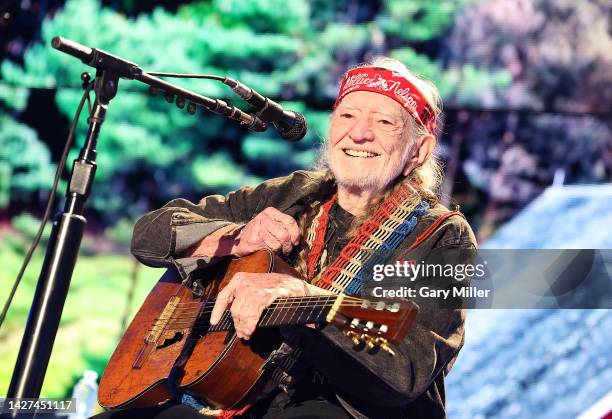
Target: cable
point(186, 76)
point(50, 202)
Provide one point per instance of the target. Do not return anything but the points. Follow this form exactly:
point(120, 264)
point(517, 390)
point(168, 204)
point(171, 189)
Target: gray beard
point(323, 163)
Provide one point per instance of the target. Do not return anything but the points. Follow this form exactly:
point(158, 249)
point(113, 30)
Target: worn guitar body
point(222, 370)
point(171, 340)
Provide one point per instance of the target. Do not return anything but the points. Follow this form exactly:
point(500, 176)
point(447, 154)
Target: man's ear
point(423, 148)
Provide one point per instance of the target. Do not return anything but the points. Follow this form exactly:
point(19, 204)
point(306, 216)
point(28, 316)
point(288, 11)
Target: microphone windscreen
point(296, 131)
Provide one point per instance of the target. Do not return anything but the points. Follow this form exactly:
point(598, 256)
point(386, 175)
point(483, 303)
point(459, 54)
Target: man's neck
point(356, 200)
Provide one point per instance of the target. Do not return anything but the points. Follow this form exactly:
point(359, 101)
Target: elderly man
point(378, 175)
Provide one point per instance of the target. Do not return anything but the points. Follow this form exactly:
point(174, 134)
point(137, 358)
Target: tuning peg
point(169, 97)
point(370, 341)
point(153, 90)
point(384, 346)
point(191, 108)
point(371, 344)
point(180, 102)
point(354, 337)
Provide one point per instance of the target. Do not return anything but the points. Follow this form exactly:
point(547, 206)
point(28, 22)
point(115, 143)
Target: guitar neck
point(287, 311)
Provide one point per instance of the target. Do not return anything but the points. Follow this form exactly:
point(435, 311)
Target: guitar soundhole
point(178, 336)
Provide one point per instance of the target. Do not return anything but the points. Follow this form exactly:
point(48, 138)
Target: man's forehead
point(373, 102)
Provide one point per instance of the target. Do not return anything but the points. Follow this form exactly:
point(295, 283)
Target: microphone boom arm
point(126, 69)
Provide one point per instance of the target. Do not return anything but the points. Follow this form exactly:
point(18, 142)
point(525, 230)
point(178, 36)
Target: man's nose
point(361, 129)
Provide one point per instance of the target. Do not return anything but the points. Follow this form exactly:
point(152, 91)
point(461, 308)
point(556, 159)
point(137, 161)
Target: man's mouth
point(359, 153)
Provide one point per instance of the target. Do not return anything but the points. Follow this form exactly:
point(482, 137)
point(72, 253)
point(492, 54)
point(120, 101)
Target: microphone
point(291, 126)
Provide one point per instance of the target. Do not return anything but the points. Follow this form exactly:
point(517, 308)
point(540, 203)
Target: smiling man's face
point(368, 143)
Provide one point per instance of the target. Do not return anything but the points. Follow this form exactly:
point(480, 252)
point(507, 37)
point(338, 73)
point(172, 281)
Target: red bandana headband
point(392, 84)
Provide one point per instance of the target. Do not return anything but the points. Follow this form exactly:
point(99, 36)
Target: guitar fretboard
point(284, 312)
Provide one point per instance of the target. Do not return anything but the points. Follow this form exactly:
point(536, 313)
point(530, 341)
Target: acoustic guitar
point(170, 346)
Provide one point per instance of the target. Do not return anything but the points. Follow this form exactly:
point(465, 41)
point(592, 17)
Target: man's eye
point(385, 122)
point(346, 115)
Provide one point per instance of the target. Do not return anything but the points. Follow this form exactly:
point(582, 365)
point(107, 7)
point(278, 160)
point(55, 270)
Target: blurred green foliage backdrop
point(290, 50)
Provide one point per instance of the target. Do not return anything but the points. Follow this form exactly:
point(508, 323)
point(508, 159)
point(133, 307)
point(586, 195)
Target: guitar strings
point(315, 300)
point(225, 323)
point(200, 320)
point(290, 300)
point(285, 299)
point(269, 309)
point(281, 306)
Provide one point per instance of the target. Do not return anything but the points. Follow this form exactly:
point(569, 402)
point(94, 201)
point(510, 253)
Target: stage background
point(527, 89)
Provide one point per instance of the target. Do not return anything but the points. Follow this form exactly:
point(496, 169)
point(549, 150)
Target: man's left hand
point(249, 294)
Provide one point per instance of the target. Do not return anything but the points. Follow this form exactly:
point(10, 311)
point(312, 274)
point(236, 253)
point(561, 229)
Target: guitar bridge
point(150, 341)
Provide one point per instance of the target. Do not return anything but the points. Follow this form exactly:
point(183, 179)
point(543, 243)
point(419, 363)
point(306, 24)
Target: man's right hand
point(269, 229)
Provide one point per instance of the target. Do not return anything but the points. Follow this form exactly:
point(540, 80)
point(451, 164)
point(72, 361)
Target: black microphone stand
point(68, 227)
point(62, 251)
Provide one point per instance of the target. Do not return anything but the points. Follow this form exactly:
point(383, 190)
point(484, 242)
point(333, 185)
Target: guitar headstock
point(373, 323)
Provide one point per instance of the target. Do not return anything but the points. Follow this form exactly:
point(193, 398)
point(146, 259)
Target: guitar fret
point(285, 306)
point(300, 311)
point(265, 317)
point(310, 317)
point(323, 309)
point(288, 311)
point(320, 317)
point(274, 311)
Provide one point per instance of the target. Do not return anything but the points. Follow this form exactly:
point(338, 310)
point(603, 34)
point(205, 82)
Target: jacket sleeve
point(161, 237)
point(429, 349)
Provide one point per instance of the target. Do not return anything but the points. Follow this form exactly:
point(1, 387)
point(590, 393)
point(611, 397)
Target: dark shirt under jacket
point(407, 385)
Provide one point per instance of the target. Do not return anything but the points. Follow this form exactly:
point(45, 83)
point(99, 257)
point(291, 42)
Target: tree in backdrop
point(559, 54)
point(26, 170)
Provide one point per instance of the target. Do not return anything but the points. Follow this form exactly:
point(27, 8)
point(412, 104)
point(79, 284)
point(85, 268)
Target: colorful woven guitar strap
point(375, 240)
